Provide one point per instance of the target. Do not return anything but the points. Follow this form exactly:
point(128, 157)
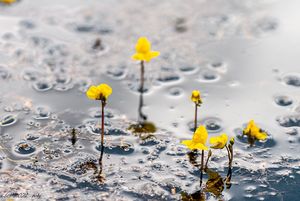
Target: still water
point(242, 55)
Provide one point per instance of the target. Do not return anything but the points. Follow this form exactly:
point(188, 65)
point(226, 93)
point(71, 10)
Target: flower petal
point(261, 136)
point(200, 135)
point(143, 45)
point(105, 90)
point(213, 140)
point(93, 93)
point(138, 56)
point(200, 146)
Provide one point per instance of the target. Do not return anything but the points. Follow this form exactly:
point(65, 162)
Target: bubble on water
point(42, 113)
point(4, 74)
point(267, 24)
point(175, 91)
point(40, 41)
point(208, 76)
point(31, 137)
point(8, 120)
point(84, 28)
point(117, 147)
point(93, 129)
point(27, 24)
point(42, 85)
point(116, 72)
point(168, 77)
point(145, 150)
point(289, 120)
point(83, 84)
point(218, 66)
point(91, 28)
point(212, 124)
point(292, 131)
point(62, 78)
point(292, 79)
point(117, 132)
point(68, 151)
point(168, 74)
point(187, 69)
point(31, 74)
point(292, 139)
point(95, 112)
point(63, 87)
point(283, 100)
point(25, 148)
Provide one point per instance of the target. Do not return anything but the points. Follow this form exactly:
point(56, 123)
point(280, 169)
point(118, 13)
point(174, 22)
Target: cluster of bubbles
point(149, 166)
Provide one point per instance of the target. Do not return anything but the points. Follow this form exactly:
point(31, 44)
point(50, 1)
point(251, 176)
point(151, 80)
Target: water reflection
point(142, 126)
point(215, 183)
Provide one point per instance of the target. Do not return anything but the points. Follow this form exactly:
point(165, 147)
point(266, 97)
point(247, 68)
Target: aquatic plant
point(219, 142)
point(195, 97)
point(254, 133)
point(198, 143)
point(143, 53)
point(101, 93)
point(229, 148)
point(143, 50)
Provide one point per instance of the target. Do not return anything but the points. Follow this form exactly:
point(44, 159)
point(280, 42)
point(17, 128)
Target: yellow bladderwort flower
point(143, 50)
point(199, 139)
point(196, 97)
point(8, 1)
point(219, 142)
point(252, 130)
point(100, 92)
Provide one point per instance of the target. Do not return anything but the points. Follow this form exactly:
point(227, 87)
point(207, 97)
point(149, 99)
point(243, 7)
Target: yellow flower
point(199, 139)
point(252, 130)
point(219, 142)
point(143, 50)
point(8, 1)
point(196, 97)
point(100, 92)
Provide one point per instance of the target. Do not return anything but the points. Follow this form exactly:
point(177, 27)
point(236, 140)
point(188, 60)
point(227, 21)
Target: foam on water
point(52, 51)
